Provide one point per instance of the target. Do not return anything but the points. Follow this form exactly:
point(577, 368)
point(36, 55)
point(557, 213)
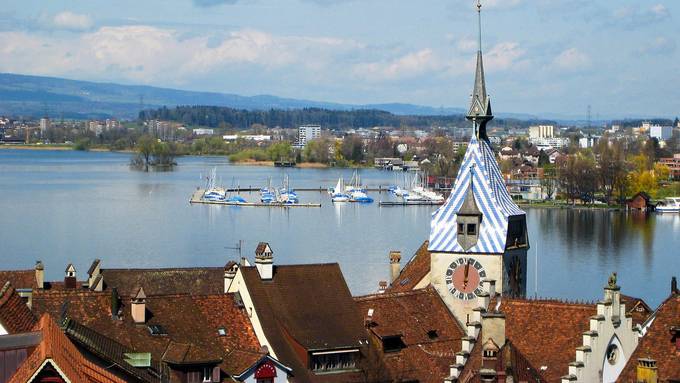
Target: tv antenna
point(238, 246)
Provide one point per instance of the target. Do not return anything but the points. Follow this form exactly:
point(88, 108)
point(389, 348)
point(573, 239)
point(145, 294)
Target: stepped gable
point(546, 332)
point(660, 343)
point(304, 308)
point(55, 349)
point(413, 272)
point(430, 334)
point(479, 166)
point(15, 316)
point(181, 316)
point(194, 280)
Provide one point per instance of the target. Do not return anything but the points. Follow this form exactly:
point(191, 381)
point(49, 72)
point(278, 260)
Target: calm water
point(65, 207)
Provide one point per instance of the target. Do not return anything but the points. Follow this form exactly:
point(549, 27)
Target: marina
point(197, 198)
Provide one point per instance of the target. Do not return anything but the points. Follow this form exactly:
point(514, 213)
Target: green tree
point(280, 151)
point(145, 149)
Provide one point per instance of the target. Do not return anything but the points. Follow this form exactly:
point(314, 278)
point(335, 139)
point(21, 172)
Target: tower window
point(461, 228)
point(471, 229)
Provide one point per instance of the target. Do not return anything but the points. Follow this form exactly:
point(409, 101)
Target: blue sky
point(541, 56)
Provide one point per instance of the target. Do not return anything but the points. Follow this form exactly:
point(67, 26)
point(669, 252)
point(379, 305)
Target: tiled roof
point(637, 308)
point(20, 279)
point(56, 347)
point(430, 333)
point(480, 169)
point(413, 272)
point(199, 281)
point(509, 360)
point(15, 316)
point(182, 316)
point(658, 344)
point(310, 305)
point(547, 332)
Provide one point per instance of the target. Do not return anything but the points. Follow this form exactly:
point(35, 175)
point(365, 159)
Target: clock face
point(463, 278)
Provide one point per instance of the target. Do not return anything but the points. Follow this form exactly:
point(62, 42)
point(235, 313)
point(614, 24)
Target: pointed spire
point(480, 105)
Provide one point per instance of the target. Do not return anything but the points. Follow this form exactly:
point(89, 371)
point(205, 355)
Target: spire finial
point(479, 25)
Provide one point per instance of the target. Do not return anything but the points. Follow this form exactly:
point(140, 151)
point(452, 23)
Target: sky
point(543, 57)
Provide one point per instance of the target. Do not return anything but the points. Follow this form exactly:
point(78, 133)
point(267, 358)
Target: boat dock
point(410, 203)
point(250, 189)
point(197, 197)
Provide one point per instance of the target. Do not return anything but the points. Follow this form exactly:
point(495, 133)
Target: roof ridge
point(390, 294)
point(164, 268)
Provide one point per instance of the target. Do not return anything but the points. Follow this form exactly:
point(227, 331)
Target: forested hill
point(216, 117)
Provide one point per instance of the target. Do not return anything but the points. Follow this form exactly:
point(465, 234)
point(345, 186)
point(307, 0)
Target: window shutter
point(216, 374)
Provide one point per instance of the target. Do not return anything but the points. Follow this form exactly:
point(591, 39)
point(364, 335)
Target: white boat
point(339, 194)
point(212, 191)
point(669, 205)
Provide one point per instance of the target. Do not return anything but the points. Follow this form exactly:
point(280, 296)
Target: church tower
point(479, 233)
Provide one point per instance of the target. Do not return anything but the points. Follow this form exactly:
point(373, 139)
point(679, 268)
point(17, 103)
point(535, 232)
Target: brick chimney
point(138, 306)
point(39, 275)
point(230, 270)
point(70, 281)
point(115, 303)
point(395, 259)
point(674, 286)
point(264, 260)
point(647, 371)
point(382, 286)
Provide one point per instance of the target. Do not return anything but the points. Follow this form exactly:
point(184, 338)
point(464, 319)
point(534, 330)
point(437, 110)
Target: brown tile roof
point(637, 308)
point(310, 305)
point(509, 361)
point(56, 347)
point(181, 316)
point(414, 271)
point(15, 316)
point(430, 333)
point(198, 281)
point(659, 344)
point(547, 332)
point(20, 279)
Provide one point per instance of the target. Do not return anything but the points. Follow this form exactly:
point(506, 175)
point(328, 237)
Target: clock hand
point(467, 269)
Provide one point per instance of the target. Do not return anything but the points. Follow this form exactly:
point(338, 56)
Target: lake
point(69, 206)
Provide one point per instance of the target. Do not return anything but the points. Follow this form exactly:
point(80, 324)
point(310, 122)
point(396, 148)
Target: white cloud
point(571, 59)
point(406, 66)
point(502, 4)
point(72, 21)
point(634, 16)
point(151, 55)
point(504, 56)
point(658, 46)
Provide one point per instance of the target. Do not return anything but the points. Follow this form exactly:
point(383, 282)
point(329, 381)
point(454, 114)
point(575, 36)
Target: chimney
point(115, 303)
point(395, 258)
point(382, 286)
point(138, 306)
point(493, 326)
point(230, 270)
point(264, 261)
point(674, 286)
point(647, 371)
point(39, 275)
point(70, 277)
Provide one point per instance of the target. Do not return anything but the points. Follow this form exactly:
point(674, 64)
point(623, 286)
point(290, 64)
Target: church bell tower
point(479, 233)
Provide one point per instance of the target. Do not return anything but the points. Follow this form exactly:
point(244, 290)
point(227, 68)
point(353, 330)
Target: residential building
point(588, 141)
point(44, 125)
point(307, 133)
point(550, 143)
point(542, 131)
point(661, 133)
point(673, 164)
point(247, 137)
point(203, 132)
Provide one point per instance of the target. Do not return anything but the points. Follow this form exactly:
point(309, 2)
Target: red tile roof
point(20, 279)
point(198, 281)
point(637, 308)
point(306, 307)
point(659, 344)
point(15, 316)
point(547, 332)
point(414, 271)
point(58, 350)
point(430, 333)
point(183, 317)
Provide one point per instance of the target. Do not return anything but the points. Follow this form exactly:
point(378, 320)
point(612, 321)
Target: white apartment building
point(661, 133)
point(307, 133)
point(203, 132)
point(542, 131)
point(44, 125)
point(550, 143)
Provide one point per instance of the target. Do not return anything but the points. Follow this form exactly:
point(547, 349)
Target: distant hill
point(22, 95)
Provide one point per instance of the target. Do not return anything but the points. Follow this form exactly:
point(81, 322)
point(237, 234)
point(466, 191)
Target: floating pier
point(197, 197)
point(411, 203)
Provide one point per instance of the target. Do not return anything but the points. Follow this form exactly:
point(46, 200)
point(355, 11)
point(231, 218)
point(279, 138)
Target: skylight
point(157, 330)
point(222, 331)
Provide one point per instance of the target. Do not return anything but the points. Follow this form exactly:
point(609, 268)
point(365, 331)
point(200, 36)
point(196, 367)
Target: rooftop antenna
point(238, 246)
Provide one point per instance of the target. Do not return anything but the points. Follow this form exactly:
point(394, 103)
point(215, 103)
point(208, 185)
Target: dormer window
point(469, 219)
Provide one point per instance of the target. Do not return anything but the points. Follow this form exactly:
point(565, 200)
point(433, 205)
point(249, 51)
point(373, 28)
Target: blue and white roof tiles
point(492, 199)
